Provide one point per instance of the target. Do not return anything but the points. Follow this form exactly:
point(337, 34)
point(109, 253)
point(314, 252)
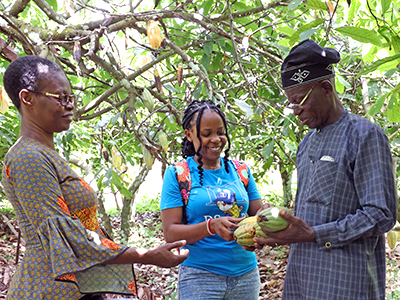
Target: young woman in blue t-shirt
point(217, 267)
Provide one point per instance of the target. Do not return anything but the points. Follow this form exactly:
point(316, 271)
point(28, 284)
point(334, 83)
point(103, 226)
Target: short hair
point(198, 107)
point(26, 72)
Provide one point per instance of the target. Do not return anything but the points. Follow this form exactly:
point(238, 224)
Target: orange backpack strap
point(241, 169)
point(184, 181)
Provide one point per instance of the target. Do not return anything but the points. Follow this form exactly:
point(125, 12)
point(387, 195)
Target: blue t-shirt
point(213, 253)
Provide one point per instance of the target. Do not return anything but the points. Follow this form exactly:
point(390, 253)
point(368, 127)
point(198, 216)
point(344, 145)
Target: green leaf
point(108, 177)
point(316, 5)
point(307, 34)
point(170, 88)
point(283, 28)
point(267, 150)
point(390, 73)
point(385, 5)
point(216, 63)
point(205, 61)
point(377, 106)
point(360, 34)
point(374, 66)
point(53, 4)
point(125, 192)
point(208, 48)
point(295, 37)
point(294, 4)
point(197, 90)
point(355, 5)
point(343, 81)
point(393, 113)
point(206, 6)
point(396, 43)
point(385, 32)
point(115, 118)
point(339, 87)
point(371, 55)
point(244, 107)
point(240, 6)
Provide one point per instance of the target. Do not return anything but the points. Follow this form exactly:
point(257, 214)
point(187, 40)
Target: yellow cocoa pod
point(162, 137)
point(244, 235)
point(391, 239)
point(251, 220)
point(148, 99)
point(148, 158)
point(154, 34)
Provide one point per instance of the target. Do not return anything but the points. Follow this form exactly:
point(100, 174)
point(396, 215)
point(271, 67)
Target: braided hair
point(26, 73)
point(197, 108)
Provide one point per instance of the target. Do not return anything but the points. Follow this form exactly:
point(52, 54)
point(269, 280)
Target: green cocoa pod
point(270, 220)
point(259, 232)
point(244, 235)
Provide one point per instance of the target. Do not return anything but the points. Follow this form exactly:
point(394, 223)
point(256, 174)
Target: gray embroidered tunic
point(346, 192)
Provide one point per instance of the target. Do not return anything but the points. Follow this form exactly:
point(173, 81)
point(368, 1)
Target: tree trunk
point(286, 177)
point(105, 219)
point(127, 205)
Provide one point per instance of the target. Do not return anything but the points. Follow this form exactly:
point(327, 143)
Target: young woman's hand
point(225, 226)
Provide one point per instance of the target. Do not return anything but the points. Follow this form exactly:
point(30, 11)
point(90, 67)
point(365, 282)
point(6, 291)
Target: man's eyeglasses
point(294, 106)
point(63, 99)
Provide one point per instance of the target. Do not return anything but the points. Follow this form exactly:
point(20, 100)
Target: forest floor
point(159, 283)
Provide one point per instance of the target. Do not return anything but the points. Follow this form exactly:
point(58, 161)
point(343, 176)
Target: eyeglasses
point(294, 106)
point(63, 99)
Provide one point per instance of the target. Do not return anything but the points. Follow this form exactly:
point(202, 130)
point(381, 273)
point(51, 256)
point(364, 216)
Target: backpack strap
point(241, 169)
point(184, 181)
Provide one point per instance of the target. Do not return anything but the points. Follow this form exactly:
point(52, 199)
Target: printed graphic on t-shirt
point(226, 199)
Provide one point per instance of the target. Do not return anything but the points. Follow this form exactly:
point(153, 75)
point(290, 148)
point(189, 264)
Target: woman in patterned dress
point(67, 255)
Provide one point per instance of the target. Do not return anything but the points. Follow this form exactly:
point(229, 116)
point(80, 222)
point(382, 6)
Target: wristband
point(209, 227)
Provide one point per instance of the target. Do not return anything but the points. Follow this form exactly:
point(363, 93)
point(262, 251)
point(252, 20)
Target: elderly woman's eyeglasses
point(63, 99)
point(294, 106)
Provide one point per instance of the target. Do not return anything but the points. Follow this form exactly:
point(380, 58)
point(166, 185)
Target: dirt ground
point(157, 283)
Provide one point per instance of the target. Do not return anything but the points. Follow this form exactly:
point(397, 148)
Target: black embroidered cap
point(308, 62)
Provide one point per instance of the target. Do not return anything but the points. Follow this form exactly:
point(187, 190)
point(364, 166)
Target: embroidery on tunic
point(8, 172)
point(84, 183)
point(68, 277)
point(132, 287)
point(61, 203)
point(109, 244)
point(88, 217)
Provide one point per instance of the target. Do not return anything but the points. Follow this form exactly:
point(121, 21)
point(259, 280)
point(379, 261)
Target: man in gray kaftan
point(346, 198)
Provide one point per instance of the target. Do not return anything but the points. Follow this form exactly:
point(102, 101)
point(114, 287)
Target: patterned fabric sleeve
point(75, 253)
point(374, 185)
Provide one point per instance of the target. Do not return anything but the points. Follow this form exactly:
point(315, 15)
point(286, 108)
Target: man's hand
point(298, 231)
point(265, 205)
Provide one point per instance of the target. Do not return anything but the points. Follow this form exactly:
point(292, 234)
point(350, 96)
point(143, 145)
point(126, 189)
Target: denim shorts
point(197, 284)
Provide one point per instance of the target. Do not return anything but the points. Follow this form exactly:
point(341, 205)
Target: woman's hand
point(163, 256)
point(225, 226)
